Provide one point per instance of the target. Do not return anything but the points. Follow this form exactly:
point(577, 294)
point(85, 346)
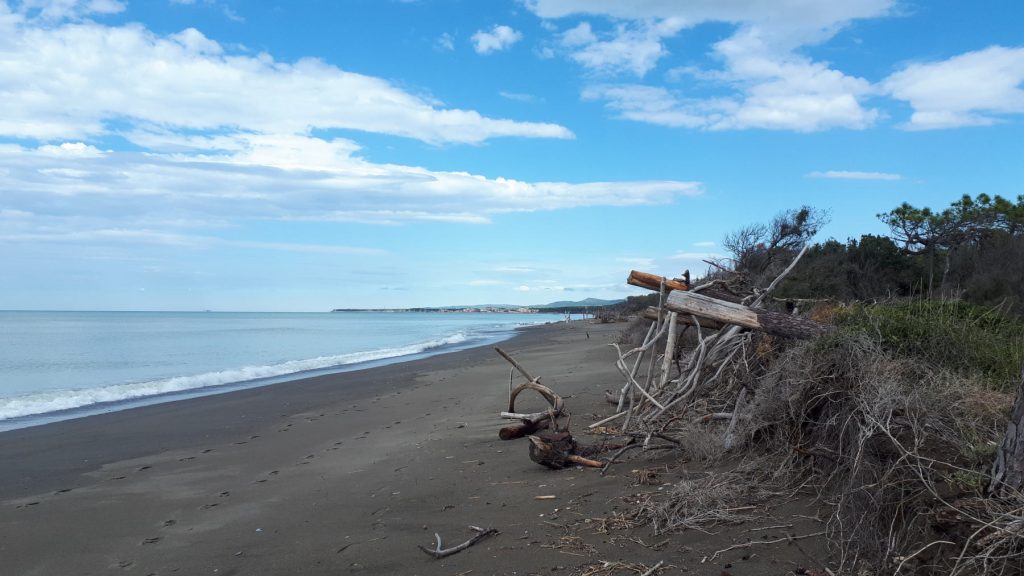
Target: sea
point(61, 365)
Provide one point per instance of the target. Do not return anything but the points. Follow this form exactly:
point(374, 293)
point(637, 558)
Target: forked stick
point(439, 552)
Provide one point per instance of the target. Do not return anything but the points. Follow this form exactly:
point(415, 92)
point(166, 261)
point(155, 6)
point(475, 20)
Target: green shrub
point(958, 336)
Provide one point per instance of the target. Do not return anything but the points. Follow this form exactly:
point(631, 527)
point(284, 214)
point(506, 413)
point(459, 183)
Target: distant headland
point(560, 307)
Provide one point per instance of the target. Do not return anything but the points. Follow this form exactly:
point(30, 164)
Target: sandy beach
point(341, 474)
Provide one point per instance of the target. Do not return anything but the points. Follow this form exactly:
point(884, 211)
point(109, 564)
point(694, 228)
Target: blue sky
point(305, 155)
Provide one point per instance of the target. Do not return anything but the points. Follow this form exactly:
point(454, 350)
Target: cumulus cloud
point(854, 175)
point(764, 82)
point(499, 38)
point(973, 89)
point(74, 81)
point(222, 138)
point(632, 47)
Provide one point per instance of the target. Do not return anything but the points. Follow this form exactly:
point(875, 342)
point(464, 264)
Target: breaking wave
point(60, 400)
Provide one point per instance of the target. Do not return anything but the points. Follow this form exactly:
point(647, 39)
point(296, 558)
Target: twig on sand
point(752, 543)
point(439, 552)
point(653, 568)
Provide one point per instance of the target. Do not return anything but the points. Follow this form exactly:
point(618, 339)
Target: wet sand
point(342, 474)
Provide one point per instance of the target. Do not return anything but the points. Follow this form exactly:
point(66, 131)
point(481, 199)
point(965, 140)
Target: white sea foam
point(58, 400)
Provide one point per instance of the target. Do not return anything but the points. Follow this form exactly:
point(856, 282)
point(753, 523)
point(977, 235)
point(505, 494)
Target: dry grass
point(702, 503)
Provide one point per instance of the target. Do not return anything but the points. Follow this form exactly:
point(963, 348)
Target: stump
point(1008, 469)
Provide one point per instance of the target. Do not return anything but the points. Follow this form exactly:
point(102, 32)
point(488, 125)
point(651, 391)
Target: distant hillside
point(592, 302)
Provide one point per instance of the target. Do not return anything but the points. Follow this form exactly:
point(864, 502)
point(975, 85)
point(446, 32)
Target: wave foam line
point(59, 400)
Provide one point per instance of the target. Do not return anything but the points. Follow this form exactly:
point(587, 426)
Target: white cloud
point(704, 244)
point(499, 38)
point(649, 104)
point(801, 20)
point(854, 175)
point(293, 178)
point(972, 89)
point(581, 35)
point(54, 10)
point(73, 81)
point(766, 83)
point(636, 51)
point(70, 149)
point(519, 97)
point(445, 42)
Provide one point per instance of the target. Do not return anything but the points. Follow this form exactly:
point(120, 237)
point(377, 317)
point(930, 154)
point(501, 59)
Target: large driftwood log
point(651, 313)
point(654, 282)
point(531, 422)
point(1008, 470)
point(774, 323)
point(556, 402)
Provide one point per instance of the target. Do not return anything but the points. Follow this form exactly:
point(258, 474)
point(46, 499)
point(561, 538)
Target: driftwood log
point(439, 552)
point(557, 450)
point(655, 282)
point(1008, 470)
point(529, 422)
point(651, 313)
point(774, 323)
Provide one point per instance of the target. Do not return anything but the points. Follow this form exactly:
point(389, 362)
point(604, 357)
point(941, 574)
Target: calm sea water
point(58, 365)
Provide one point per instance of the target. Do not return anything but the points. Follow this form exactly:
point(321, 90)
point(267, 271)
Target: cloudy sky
point(311, 154)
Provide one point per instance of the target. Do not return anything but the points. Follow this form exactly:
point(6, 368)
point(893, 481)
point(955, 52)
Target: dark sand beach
point(345, 474)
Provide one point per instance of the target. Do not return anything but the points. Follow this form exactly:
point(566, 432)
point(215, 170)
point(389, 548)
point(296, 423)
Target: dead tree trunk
point(774, 323)
point(651, 313)
point(1008, 469)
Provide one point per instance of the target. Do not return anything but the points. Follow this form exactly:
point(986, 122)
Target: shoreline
point(344, 473)
point(100, 408)
point(304, 392)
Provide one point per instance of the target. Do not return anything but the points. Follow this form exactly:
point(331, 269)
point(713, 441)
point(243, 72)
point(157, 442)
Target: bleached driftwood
point(439, 552)
point(774, 323)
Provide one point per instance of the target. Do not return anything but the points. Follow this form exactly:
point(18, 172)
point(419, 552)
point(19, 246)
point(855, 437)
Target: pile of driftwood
point(658, 389)
point(550, 445)
point(649, 404)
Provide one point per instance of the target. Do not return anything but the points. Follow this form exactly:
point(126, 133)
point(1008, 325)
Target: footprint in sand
point(152, 540)
point(186, 458)
point(27, 504)
point(208, 506)
point(63, 491)
point(125, 564)
point(207, 451)
point(224, 494)
point(143, 469)
point(240, 443)
point(118, 478)
point(169, 523)
point(254, 436)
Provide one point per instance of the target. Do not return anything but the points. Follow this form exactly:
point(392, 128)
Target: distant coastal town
point(585, 306)
point(458, 310)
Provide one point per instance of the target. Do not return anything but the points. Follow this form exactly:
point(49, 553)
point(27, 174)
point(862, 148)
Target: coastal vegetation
point(897, 417)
